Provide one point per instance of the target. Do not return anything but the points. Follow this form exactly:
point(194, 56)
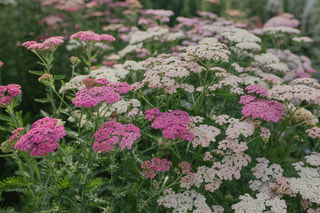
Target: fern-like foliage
point(15, 183)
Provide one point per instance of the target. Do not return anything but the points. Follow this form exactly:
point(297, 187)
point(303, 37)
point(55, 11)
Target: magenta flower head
point(150, 169)
point(268, 110)
point(100, 90)
point(111, 132)
point(42, 138)
point(91, 36)
point(257, 89)
point(173, 124)
point(8, 92)
point(1, 63)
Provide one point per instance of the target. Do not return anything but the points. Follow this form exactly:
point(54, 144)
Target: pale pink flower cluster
point(207, 49)
point(226, 169)
point(8, 92)
point(259, 204)
point(91, 36)
point(159, 14)
point(100, 90)
point(111, 132)
point(314, 132)
point(173, 123)
point(65, 5)
point(163, 73)
point(232, 82)
point(299, 66)
point(295, 93)
point(188, 201)
point(285, 19)
point(242, 39)
point(151, 168)
point(266, 172)
point(236, 127)
point(48, 44)
point(42, 138)
point(204, 135)
point(271, 186)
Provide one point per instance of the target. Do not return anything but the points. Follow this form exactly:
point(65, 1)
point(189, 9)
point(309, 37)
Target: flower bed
point(205, 116)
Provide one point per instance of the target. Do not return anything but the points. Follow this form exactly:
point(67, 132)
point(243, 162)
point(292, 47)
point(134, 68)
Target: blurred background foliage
point(20, 22)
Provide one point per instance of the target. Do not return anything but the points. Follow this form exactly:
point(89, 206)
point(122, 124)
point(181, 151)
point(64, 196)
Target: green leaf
point(44, 113)
point(59, 77)
point(36, 72)
point(42, 100)
point(14, 183)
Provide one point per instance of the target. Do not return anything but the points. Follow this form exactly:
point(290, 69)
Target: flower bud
point(74, 60)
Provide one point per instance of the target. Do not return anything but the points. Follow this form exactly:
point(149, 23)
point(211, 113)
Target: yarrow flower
point(47, 44)
point(151, 168)
point(42, 138)
point(91, 36)
point(97, 91)
point(173, 123)
point(8, 145)
point(8, 92)
point(111, 132)
point(258, 89)
point(268, 110)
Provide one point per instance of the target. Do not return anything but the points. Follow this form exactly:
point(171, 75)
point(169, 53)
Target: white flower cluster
point(279, 30)
point(122, 106)
point(302, 39)
point(163, 73)
point(209, 48)
point(242, 38)
point(185, 202)
point(133, 65)
point(237, 128)
point(266, 58)
point(129, 48)
point(172, 36)
point(204, 135)
point(308, 184)
point(231, 81)
point(258, 205)
point(265, 174)
point(141, 36)
point(9, 2)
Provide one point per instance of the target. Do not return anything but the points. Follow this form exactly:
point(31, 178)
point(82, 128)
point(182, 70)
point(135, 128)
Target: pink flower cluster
point(150, 169)
point(174, 123)
point(186, 169)
point(257, 89)
point(314, 132)
point(7, 92)
point(49, 43)
point(268, 110)
point(91, 36)
point(111, 132)
point(97, 91)
point(16, 134)
point(42, 138)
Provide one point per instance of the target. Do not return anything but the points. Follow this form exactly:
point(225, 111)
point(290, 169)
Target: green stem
point(55, 182)
point(12, 115)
